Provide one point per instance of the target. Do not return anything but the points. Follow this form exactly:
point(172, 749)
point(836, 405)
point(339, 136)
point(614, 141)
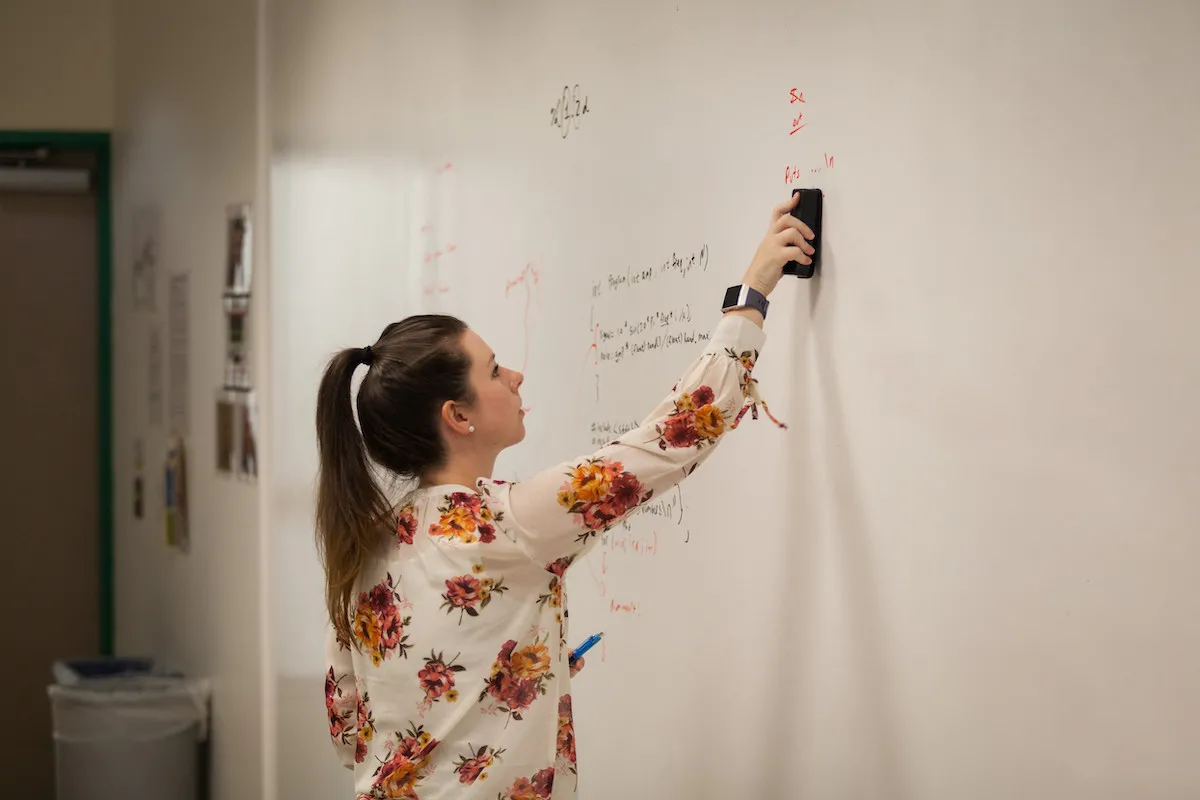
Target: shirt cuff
point(737, 333)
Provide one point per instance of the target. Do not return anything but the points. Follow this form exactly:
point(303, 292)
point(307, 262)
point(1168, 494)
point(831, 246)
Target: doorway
point(55, 422)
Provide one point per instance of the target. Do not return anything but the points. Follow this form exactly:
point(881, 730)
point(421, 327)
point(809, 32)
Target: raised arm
point(557, 513)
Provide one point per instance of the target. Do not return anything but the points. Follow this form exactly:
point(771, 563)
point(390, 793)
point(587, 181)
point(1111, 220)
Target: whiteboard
point(968, 568)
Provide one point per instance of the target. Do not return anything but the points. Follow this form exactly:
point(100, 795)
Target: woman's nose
point(518, 379)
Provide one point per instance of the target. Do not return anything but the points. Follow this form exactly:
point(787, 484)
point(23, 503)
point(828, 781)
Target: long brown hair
point(416, 365)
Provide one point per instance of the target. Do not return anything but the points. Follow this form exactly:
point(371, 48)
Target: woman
point(448, 666)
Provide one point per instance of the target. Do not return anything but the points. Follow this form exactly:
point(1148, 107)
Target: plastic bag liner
point(135, 708)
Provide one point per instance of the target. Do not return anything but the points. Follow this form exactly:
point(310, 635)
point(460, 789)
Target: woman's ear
point(454, 418)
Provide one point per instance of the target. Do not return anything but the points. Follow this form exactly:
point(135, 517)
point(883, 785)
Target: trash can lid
point(137, 690)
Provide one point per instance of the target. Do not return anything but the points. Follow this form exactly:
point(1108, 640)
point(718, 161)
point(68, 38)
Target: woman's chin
point(520, 432)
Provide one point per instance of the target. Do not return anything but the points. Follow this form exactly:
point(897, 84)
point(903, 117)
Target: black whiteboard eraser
point(808, 211)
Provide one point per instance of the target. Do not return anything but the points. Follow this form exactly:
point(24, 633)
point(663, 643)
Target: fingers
point(794, 253)
point(794, 236)
point(784, 208)
point(792, 222)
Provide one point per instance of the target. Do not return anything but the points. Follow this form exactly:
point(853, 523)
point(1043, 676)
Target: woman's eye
point(496, 371)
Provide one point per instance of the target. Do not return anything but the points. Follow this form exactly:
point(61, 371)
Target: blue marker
point(588, 644)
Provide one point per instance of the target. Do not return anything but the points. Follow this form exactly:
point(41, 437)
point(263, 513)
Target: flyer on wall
point(237, 433)
point(236, 405)
point(238, 270)
point(175, 484)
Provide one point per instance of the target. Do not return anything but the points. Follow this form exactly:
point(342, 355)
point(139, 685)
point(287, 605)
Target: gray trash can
point(129, 737)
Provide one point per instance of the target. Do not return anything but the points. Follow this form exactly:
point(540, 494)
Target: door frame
point(99, 144)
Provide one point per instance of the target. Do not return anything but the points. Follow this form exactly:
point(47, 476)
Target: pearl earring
point(471, 429)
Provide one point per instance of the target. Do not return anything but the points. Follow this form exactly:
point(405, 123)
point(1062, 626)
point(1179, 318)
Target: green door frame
point(99, 144)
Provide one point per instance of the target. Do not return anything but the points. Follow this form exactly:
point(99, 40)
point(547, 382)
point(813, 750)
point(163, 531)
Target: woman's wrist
point(751, 314)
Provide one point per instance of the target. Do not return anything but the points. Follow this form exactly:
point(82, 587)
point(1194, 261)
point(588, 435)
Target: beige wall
point(177, 84)
point(186, 139)
point(56, 64)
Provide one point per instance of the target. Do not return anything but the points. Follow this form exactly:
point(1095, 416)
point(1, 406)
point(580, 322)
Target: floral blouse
point(457, 684)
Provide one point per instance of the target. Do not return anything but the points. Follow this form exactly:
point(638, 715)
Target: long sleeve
point(558, 512)
point(341, 699)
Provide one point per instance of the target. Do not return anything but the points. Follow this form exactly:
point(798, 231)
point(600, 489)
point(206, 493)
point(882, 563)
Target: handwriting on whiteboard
point(668, 508)
point(624, 608)
point(652, 343)
point(679, 265)
point(630, 544)
point(528, 278)
point(569, 110)
point(663, 318)
point(606, 431)
point(792, 173)
point(798, 120)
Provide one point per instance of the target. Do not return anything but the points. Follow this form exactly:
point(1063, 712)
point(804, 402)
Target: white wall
point(56, 64)
point(186, 140)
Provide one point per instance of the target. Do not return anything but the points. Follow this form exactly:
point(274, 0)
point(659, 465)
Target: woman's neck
point(460, 471)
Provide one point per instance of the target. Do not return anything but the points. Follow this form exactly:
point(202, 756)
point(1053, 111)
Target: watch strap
point(744, 296)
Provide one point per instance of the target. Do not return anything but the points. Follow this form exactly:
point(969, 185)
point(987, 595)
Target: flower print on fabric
point(559, 565)
point(566, 734)
point(437, 680)
point(553, 596)
point(749, 386)
point(539, 787)
point(403, 766)
point(695, 422)
point(599, 492)
point(378, 626)
point(474, 767)
point(406, 524)
point(556, 594)
point(465, 518)
point(340, 707)
point(453, 623)
point(366, 725)
point(469, 593)
point(518, 677)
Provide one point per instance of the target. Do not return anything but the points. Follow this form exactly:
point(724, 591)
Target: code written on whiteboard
point(569, 111)
point(606, 431)
point(640, 345)
point(663, 318)
point(678, 265)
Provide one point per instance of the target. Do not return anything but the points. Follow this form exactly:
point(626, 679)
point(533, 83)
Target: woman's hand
point(786, 240)
point(575, 665)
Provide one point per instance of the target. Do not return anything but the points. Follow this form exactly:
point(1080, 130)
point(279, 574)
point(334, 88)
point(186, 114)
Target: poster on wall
point(154, 361)
point(238, 249)
point(237, 433)
point(179, 353)
point(237, 410)
point(248, 441)
point(227, 412)
point(175, 483)
point(145, 258)
point(237, 372)
point(236, 295)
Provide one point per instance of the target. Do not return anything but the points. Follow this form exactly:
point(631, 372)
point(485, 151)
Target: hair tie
point(365, 355)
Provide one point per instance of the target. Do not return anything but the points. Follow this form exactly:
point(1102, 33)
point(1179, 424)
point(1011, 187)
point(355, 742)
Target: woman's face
point(497, 414)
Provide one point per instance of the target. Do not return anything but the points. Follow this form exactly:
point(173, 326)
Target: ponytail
point(352, 511)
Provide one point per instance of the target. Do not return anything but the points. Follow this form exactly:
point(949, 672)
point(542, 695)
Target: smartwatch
point(744, 296)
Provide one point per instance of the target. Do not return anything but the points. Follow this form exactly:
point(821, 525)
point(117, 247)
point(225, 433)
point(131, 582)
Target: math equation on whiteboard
point(571, 107)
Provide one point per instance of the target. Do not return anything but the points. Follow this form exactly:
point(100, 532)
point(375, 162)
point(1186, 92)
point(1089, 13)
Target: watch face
point(754, 299)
